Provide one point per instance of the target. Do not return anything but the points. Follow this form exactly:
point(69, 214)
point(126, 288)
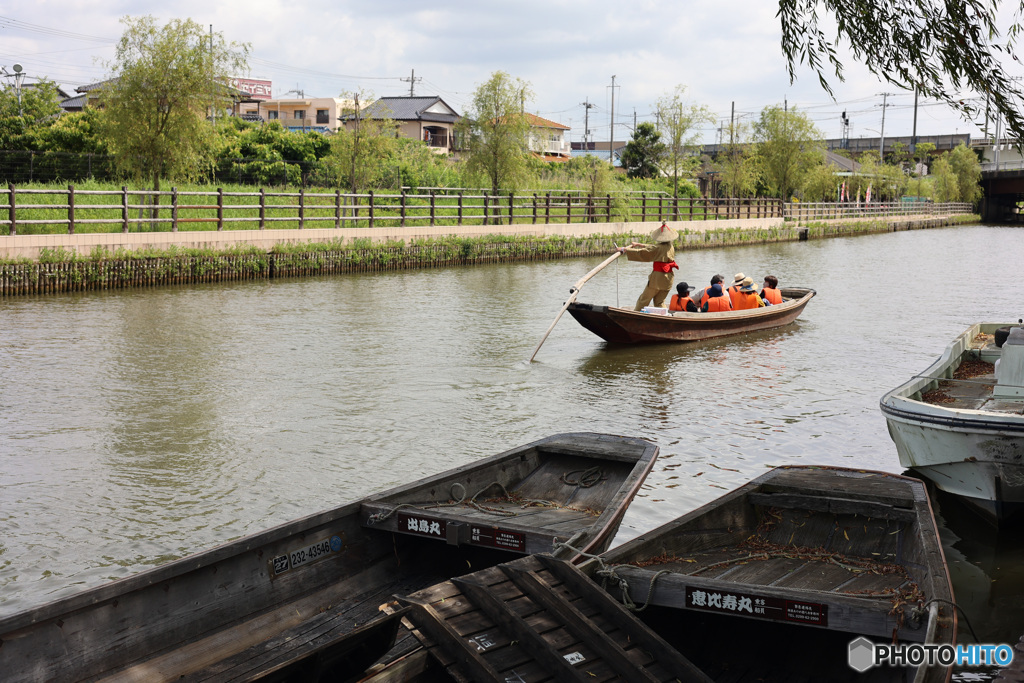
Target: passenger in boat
point(701, 297)
point(746, 297)
point(717, 301)
point(681, 300)
point(663, 255)
point(734, 288)
point(770, 292)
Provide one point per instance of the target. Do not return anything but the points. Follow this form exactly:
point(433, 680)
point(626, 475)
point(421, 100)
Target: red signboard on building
point(257, 89)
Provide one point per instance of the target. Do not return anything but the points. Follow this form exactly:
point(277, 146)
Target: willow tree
point(363, 149)
point(165, 82)
point(938, 47)
point(495, 133)
point(787, 144)
point(679, 122)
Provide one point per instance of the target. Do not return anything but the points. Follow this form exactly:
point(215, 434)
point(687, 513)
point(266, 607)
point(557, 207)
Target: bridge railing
point(824, 211)
point(54, 210)
point(1002, 165)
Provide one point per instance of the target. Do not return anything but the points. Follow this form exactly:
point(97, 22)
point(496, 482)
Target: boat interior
point(968, 383)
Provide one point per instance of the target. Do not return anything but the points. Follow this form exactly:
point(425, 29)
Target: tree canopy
point(937, 47)
point(643, 152)
point(164, 82)
point(679, 122)
point(788, 145)
point(496, 131)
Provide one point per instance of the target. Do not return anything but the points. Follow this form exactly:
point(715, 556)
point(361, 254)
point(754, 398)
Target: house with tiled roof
point(427, 118)
point(547, 139)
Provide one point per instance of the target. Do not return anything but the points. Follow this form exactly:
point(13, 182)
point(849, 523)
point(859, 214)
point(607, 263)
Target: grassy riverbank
point(60, 270)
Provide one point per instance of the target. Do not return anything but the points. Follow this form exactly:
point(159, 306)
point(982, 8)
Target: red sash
point(665, 267)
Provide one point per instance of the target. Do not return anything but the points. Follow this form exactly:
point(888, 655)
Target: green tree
point(495, 132)
point(735, 163)
point(821, 184)
point(361, 151)
point(940, 48)
point(945, 184)
point(642, 153)
point(21, 124)
point(788, 144)
point(965, 166)
point(164, 82)
point(679, 123)
point(922, 153)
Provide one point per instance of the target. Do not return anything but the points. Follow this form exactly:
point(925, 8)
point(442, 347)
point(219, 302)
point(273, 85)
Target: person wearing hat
point(734, 288)
point(746, 296)
point(663, 255)
point(701, 297)
point(717, 301)
point(681, 300)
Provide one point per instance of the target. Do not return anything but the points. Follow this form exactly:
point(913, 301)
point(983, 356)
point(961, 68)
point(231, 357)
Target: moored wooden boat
point(795, 565)
point(300, 598)
point(626, 326)
point(951, 424)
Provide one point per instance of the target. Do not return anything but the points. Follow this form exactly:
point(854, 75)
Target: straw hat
point(664, 234)
point(738, 279)
point(747, 285)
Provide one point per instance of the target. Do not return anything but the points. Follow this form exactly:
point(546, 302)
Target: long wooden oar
point(573, 292)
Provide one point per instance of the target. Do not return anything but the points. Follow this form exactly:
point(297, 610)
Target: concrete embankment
point(32, 264)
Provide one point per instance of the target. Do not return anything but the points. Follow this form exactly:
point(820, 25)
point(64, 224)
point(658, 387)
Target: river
point(142, 425)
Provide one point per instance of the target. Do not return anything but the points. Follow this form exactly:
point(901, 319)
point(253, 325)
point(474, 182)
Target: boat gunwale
point(682, 318)
point(190, 563)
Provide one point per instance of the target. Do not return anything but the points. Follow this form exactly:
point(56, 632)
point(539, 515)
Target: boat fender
point(1002, 333)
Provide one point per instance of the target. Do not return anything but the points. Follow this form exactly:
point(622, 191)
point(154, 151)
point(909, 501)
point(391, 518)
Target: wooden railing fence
point(39, 210)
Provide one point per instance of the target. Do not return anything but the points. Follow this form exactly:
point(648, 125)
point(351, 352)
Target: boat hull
point(976, 454)
point(281, 599)
point(819, 556)
point(626, 326)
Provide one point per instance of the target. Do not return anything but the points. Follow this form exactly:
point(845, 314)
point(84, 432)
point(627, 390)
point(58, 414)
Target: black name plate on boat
point(757, 606)
point(498, 538)
point(418, 524)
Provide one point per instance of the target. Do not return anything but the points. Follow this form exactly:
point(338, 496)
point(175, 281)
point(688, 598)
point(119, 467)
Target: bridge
point(1003, 187)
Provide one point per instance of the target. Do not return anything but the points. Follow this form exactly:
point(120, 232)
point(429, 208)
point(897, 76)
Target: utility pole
point(412, 82)
point(913, 135)
point(732, 123)
point(881, 133)
point(611, 142)
point(586, 123)
point(19, 77)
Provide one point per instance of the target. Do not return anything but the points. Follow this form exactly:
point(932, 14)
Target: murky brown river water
point(139, 426)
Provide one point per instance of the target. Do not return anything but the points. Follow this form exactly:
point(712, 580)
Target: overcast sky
point(724, 52)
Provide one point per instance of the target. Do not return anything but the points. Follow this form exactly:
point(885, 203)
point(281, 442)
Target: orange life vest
point(678, 303)
point(772, 296)
point(746, 300)
point(705, 295)
point(718, 303)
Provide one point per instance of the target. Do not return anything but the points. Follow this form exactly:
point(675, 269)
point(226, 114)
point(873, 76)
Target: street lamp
point(18, 76)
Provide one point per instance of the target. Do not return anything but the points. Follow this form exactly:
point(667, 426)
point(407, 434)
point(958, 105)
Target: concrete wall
point(30, 246)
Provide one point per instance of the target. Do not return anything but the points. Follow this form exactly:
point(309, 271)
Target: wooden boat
point(626, 326)
point(796, 566)
point(297, 600)
point(960, 427)
point(538, 619)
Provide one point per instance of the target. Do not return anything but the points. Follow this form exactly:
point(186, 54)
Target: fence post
point(337, 208)
point(608, 208)
point(124, 208)
point(460, 207)
point(547, 209)
point(432, 208)
point(220, 209)
point(643, 207)
point(372, 205)
point(486, 207)
point(535, 208)
point(263, 208)
point(71, 209)
point(14, 221)
point(174, 209)
point(403, 207)
point(511, 207)
point(302, 207)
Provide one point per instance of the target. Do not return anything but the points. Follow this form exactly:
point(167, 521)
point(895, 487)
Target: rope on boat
point(586, 479)
point(607, 572)
point(919, 612)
